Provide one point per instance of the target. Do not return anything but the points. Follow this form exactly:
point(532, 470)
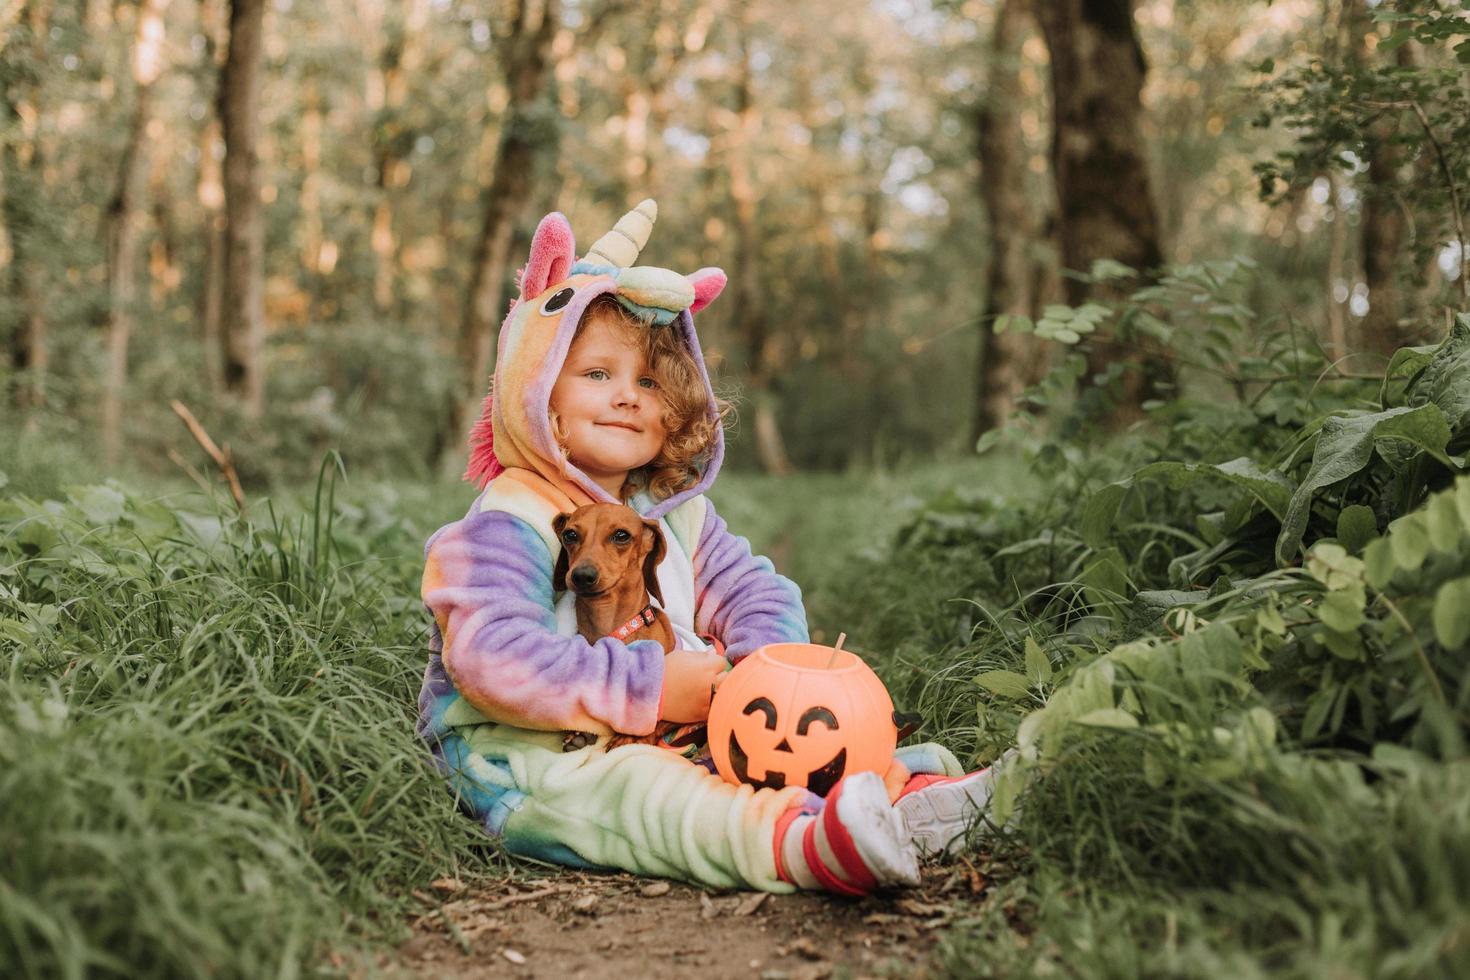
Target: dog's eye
point(569, 537)
point(621, 537)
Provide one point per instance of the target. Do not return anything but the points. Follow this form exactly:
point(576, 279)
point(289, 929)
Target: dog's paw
point(572, 741)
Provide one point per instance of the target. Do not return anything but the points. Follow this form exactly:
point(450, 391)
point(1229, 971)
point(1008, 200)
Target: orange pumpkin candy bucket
point(799, 714)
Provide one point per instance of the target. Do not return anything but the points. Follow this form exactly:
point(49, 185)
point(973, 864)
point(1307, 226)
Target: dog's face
point(605, 547)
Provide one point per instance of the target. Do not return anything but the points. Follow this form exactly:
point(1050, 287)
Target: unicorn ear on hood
point(553, 250)
point(708, 283)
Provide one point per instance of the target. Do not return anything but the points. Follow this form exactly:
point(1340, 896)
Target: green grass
point(207, 760)
point(821, 528)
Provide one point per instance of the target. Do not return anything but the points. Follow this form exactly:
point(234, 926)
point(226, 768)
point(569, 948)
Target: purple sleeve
point(739, 597)
point(487, 581)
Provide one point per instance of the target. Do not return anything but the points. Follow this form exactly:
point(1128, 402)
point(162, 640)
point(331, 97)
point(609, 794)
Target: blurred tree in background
point(302, 218)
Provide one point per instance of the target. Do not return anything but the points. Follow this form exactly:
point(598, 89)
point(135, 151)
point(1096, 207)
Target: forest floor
point(578, 925)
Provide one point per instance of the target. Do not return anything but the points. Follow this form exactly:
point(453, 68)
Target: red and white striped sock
point(856, 845)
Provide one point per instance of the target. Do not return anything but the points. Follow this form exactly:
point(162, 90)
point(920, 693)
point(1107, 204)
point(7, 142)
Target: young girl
point(601, 394)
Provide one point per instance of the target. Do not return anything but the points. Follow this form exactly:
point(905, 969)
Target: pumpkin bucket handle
point(836, 649)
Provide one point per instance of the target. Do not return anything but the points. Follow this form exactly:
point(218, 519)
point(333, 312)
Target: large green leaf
point(102, 506)
point(1445, 381)
point(1406, 362)
point(1344, 447)
point(1452, 613)
point(1006, 683)
point(1267, 486)
point(1038, 665)
point(1408, 538)
point(1356, 526)
point(1107, 718)
point(1148, 607)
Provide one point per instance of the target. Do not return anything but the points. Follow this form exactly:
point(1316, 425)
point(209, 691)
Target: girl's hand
point(689, 679)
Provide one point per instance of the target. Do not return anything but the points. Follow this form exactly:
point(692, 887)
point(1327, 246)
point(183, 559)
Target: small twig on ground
point(220, 456)
point(526, 897)
point(477, 906)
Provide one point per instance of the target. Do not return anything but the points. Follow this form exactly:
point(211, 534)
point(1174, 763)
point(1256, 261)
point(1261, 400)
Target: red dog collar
point(645, 617)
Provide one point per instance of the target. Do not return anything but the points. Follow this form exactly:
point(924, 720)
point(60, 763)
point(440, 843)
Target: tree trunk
point(652, 59)
point(1005, 359)
point(97, 15)
point(164, 274)
point(23, 215)
point(524, 128)
point(210, 192)
point(1385, 226)
point(1103, 193)
point(749, 311)
point(124, 225)
point(399, 58)
point(211, 290)
point(836, 326)
point(239, 110)
point(312, 233)
point(1336, 252)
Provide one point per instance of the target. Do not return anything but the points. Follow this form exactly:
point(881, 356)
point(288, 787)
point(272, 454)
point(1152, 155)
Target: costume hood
point(555, 287)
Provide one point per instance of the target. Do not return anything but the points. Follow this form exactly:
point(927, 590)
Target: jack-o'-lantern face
point(784, 717)
point(772, 741)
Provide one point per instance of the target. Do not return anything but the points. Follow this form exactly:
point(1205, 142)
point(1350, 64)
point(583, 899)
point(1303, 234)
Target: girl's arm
point(487, 582)
point(739, 597)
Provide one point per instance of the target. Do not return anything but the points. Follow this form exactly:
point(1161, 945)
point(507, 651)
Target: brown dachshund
point(609, 559)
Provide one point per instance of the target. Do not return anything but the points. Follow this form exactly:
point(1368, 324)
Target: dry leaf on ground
point(750, 903)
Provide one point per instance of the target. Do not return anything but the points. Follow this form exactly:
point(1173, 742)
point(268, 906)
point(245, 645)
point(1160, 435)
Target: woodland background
point(1104, 375)
point(307, 234)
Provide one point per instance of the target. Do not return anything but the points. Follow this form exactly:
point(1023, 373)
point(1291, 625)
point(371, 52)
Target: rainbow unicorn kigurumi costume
point(507, 673)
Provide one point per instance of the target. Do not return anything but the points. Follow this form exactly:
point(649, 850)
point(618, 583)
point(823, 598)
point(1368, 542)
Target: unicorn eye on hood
point(557, 301)
point(555, 288)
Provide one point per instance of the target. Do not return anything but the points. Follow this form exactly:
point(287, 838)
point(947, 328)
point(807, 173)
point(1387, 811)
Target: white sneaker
point(939, 816)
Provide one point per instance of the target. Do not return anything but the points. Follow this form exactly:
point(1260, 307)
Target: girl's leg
point(642, 809)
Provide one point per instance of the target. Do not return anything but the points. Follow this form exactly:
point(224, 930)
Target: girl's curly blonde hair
point(691, 431)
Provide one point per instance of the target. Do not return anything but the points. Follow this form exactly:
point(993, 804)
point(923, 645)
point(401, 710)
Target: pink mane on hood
point(484, 466)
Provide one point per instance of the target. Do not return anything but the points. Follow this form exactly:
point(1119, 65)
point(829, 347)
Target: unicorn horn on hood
point(620, 247)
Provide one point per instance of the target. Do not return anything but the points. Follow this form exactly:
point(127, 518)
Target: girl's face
point(608, 403)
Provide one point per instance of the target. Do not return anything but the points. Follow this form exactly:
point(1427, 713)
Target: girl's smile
point(607, 405)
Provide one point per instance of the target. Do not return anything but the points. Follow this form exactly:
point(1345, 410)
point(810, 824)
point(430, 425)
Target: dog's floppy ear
point(651, 560)
point(563, 561)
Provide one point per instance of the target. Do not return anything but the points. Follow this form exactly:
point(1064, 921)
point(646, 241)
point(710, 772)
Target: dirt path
point(596, 926)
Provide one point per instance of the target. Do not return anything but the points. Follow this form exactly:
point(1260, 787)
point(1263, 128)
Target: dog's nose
point(584, 577)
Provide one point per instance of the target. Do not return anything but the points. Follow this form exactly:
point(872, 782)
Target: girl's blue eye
point(597, 374)
point(647, 383)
